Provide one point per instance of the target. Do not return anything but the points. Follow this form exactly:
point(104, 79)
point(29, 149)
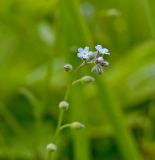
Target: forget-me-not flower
point(102, 50)
point(84, 53)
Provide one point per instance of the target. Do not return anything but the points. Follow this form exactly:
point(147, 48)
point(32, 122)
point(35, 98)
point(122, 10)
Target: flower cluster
point(95, 57)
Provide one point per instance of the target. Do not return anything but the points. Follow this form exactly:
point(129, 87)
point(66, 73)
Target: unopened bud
point(76, 125)
point(87, 79)
point(51, 147)
point(64, 105)
point(98, 69)
point(68, 67)
point(105, 63)
point(99, 60)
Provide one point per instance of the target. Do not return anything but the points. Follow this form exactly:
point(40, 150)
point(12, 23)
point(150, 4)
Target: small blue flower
point(84, 53)
point(102, 50)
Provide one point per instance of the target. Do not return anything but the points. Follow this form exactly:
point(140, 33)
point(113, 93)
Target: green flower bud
point(64, 105)
point(68, 67)
point(51, 147)
point(76, 125)
point(87, 79)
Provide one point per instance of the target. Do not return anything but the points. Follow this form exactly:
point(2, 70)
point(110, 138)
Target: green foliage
point(37, 38)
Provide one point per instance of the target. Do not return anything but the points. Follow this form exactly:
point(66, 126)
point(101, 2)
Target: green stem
point(64, 126)
point(49, 156)
point(60, 119)
point(84, 63)
point(59, 124)
point(76, 81)
point(67, 92)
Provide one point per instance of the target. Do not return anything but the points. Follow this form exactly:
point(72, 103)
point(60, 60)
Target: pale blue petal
point(90, 53)
point(80, 50)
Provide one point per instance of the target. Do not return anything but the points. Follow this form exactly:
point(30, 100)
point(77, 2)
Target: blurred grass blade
point(150, 17)
point(111, 106)
point(11, 120)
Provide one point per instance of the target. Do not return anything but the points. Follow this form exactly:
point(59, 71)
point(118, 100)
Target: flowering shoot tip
point(95, 57)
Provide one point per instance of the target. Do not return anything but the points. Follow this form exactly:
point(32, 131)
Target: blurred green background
point(37, 37)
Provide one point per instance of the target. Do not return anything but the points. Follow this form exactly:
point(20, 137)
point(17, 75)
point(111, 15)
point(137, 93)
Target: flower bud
point(51, 147)
point(64, 105)
point(105, 63)
point(98, 69)
point(87, 79)
point(99, 60)
point(68, 67)
point(76, 125)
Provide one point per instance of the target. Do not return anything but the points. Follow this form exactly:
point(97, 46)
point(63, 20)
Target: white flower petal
point(107, 53)
point(85, 56)
point(80, 55)
point(98, 47)
point(102, 51)
point(105, 50)
point(86, 49)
